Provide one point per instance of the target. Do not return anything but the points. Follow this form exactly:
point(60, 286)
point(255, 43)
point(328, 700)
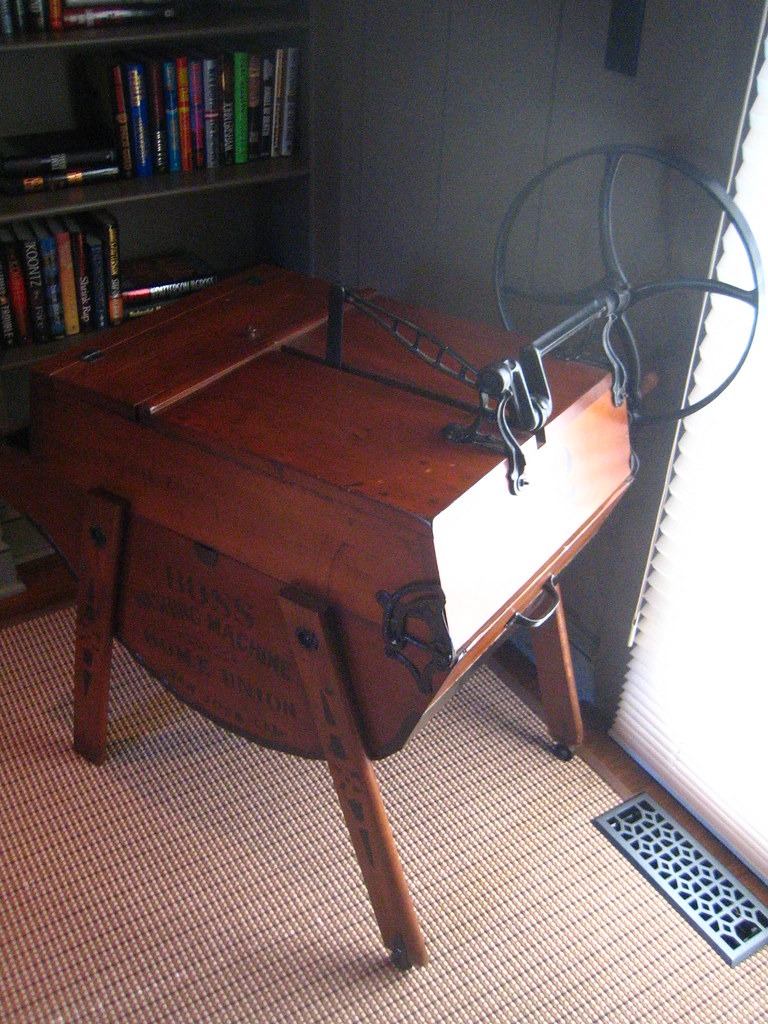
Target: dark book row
point(193, 111)
point(21, 17)
point(63, 276)
point(151, 115)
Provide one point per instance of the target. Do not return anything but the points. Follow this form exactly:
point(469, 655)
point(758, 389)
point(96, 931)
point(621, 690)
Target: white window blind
point(694, 708)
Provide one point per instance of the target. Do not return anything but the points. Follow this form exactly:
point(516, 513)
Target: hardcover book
point(106, 226)
point(121, 119)
point(152, 279)
point(211, 111)
point(171, 98)
point(46, 243)
point(289, 101)
point(254, 105)
point(66, 267)
point(139, 117)
point(196, 111)
point(17, 286)
point(33, 276)
point(267, 99)
point(82, 272)
point(185, 124)
point(158, 131)
point(240, 77)
point(52, 152)
point(95, 249)
point(227, 108)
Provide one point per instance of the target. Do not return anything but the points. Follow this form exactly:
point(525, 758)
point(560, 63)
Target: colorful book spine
point(185, 124)
point(7, 331)
point(52, 182)
point(17, 288)
point(277, 101)
point(171, 96)
point(139, 118)
point(46, 243)
point(254, 105)
point(196, 112)
point(267, 98)
point(290, 101)
point(106, 226)
point(240, 84)
point(33, 275)
point(82, 273)
point(55, 15)
point(6, 18)
point(211, 111)
point(66, 276)
point(227, 107)
point(95, 251)
point(158, 132)
point(121, 119)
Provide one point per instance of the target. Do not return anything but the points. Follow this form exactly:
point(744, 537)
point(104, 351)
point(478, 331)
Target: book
point(7, 27)
point(196, 111)
point(95, 250)
point(267, 98)
point(17, 287)
point(254, 105)
point(139, 117)
point(82, 272)
point(153, 279)
point(289, 104)
point(95, 16)
point(7, 330)
point(158, 131)
point(185, 125)
point(106, 226)
point(171, 100)
point(121, 118)
point(240, 84)
point(46, 243)
point(55, 15)
point(52, 152)
point(33, 276)
point(66, 269)
point(277, 101)
point(211, 111)
point(37, 15)
point(227, 108)
point(51, 182)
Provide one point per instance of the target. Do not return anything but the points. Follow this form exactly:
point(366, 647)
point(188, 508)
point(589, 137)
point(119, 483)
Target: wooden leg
point(557, 684)
point(102, 541)
point(352, 772)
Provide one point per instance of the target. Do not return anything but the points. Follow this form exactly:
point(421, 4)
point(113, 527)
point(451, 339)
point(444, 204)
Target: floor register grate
point(733, 921)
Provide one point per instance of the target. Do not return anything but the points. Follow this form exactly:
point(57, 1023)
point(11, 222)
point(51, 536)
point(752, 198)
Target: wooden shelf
point(160, 186)
point(223, 22)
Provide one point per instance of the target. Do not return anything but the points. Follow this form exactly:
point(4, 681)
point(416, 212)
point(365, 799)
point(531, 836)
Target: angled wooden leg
point(101, 546)
point(353, 777)
point(557, 684)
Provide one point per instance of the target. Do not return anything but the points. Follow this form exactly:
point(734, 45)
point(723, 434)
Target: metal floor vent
point(708, 896)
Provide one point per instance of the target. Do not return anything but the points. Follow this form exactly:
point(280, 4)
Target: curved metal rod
point(616, 280)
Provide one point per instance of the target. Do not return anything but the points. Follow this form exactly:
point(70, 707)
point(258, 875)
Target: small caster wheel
point(563, 752)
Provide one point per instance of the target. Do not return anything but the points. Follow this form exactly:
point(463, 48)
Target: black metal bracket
point(414, 616)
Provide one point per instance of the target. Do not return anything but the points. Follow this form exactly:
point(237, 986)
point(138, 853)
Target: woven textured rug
point(198, 878)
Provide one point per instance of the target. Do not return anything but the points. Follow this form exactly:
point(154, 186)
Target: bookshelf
point(230, 216)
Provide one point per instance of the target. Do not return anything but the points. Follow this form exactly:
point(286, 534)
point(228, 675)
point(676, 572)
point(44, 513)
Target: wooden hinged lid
point(146, 364)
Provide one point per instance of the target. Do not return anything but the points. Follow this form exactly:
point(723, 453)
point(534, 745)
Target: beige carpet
point(199, 878)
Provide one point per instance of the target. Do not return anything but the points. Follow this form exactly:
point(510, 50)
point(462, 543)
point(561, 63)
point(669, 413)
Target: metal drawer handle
point(550, 592)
